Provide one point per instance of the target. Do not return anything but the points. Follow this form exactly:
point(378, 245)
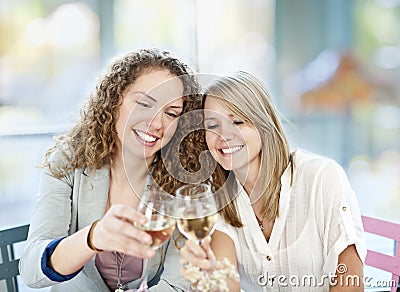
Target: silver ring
point(185, 265)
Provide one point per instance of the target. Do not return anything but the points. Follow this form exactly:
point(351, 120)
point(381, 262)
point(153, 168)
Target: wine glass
point(196, 211)
point(158, 208)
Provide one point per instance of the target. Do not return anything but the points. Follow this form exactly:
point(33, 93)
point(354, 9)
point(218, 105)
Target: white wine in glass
point(160, 227)
point(196, 211)
point(158, 208)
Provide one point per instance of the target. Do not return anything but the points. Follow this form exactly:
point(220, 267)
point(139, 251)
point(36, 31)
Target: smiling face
point(149, 113)
point(234, 143)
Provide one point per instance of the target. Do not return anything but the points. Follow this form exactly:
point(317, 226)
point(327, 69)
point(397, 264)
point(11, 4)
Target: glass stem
point(143, 286)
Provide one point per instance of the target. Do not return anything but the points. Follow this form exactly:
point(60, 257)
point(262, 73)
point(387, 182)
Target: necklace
point(260, 224)
point(119, 272)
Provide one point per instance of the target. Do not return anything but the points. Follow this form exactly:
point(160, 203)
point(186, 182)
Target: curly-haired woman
point(82, 236)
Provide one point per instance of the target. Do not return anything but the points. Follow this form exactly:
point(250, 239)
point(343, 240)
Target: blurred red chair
point(382, 261)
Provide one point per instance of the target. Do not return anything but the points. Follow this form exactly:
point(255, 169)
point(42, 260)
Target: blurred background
point(332, 67)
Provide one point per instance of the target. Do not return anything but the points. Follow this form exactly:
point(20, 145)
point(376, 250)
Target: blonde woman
point(82, 235)
point(295, 223)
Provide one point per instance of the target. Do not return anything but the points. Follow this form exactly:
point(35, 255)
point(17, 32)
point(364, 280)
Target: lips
point(231, 150)
point(146, 138)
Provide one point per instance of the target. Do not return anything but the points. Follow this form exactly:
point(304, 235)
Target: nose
point(227, 132)
point(156, 122)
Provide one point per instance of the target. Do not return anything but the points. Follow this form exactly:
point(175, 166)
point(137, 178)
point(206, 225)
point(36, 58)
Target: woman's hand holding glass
point(197, 214)
point(200, 256)
point(116, 231)
point(201, 268)
point(137, 232)
point(158, 209)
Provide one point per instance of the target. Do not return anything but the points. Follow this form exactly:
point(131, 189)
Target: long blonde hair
point(246, 97)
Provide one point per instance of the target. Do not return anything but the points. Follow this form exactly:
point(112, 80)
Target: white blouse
point(318, 218)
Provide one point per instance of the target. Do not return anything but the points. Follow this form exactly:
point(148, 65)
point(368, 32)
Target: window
point(51, 53)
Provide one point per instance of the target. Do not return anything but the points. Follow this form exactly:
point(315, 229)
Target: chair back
point(8, 263)
point(382, 261)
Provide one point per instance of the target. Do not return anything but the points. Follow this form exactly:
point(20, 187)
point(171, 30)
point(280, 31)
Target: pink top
point(106, 264)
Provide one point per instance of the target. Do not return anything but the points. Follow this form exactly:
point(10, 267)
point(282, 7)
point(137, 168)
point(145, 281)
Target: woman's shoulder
point(222, 225)
point(312, 169)
point(322, 173)
point(61, 151)
point(307, 161)
point(58, 160)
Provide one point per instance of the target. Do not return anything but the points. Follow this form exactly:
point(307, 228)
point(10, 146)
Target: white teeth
point(145, 137)
point(231, 150)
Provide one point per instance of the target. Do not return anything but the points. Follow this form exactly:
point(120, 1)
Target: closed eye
point(238, 122)
point(143, 104)
point(211, 127)
point(172, 114)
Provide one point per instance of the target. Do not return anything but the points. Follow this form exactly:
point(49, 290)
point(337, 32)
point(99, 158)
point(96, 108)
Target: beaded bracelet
point(89, 238)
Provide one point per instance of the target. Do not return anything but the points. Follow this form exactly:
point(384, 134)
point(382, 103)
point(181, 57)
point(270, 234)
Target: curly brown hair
point(92, 142)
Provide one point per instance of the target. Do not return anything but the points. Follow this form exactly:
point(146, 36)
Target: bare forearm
point(72, 253)
point(223, 247)
point(351, 278)
point(114, 232)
